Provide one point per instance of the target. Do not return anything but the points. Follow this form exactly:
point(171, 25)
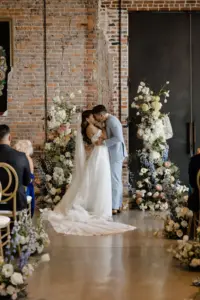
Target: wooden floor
point(130, 266)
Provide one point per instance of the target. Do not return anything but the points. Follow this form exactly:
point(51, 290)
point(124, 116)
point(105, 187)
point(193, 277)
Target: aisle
point(130, 266)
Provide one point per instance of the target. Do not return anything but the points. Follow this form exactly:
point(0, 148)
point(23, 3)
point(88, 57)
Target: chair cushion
point(4, 221)
point(6, 212)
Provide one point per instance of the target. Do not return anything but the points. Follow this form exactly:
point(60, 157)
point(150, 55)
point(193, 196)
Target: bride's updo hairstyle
point(84, 124)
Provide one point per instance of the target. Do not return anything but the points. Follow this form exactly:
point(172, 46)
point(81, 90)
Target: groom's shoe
point(119, 210)
point(114, 211)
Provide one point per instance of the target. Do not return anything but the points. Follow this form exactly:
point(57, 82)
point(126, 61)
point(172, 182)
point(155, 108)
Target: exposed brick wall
point(82, 53)
point(71, 59)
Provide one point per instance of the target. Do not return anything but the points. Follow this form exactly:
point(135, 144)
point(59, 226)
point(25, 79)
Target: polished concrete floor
point(130, 266)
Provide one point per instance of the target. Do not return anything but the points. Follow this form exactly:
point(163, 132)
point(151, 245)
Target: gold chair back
point(8, 196)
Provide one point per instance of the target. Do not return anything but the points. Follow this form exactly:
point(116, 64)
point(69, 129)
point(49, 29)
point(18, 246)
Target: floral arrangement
point(16, 267)
point(188, 252)
point(13, 279)
point(158, 185)
point(176, 224)
point(56, 162)
point(3, 69)
point(29, 237)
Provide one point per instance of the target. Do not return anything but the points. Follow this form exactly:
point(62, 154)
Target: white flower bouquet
point(13, 280)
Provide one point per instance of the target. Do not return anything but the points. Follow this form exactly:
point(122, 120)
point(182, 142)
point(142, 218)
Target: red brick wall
point(82, 53)
point(71, 59)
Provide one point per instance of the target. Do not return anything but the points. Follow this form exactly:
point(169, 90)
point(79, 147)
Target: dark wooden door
point(159, 50)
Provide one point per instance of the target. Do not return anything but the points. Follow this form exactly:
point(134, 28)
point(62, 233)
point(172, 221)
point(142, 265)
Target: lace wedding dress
point(86, 208)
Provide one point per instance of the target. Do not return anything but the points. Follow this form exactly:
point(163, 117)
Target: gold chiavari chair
point(10, 195)
point(4, 231)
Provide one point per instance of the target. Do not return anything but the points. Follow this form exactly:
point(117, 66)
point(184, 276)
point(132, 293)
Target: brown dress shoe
point(114, 211)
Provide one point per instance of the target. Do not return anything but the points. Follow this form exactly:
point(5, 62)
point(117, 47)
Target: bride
point(86, 208)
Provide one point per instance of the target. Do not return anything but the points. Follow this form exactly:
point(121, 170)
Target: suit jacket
point(115, 141)
point(194, 167)
point(19, 162)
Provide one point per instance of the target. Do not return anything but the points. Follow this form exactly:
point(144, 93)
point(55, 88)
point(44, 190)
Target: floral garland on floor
point(56, 163)
point(188, 252)
point(3, 69)
point(158, 186)
point(19, 265)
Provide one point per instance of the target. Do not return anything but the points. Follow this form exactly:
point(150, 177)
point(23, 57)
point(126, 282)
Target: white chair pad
point(29, 199)
point(4, 221)
point(7, 212)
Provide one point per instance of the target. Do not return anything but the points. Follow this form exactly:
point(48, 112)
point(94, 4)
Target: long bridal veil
point(77, 176)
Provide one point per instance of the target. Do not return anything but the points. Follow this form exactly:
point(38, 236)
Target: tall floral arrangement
point(158, 184)
point(3, 69)
point(56, 162)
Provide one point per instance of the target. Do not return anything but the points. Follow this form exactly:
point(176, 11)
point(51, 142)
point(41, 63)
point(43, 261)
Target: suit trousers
point(117, 185)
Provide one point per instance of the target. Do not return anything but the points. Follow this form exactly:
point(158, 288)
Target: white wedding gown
point(86, 208)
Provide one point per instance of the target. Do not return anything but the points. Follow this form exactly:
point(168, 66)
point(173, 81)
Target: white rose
point(179, 233)
point(72, 96)
point(176, 226)
point(40, 249)
point(48, 177)
point(67, 154)
point(144, 107)
point(7, 270)
point(149, 194)
point(28, 270)
point(57, 99)
point(195, 262)
point(45, 258)
point(142, 83)
point(133, 105)
point(22, 240)
point(48, 146)
point(17, 279)
point(53, 191)
point(10, 290)
point(185, 238)
point(184, 223)
point(155, 195)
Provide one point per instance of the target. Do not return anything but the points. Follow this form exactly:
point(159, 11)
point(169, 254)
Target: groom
point(117, 152)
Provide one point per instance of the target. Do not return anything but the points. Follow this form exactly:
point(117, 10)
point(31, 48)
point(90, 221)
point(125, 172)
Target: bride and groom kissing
point(96, 191)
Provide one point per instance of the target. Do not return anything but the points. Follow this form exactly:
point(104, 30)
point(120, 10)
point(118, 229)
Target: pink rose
point(62, 128)
point(167, 164)
point(159, 187)
point(162, 195)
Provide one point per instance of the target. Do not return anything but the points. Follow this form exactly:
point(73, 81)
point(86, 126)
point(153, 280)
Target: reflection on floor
point(129, 266)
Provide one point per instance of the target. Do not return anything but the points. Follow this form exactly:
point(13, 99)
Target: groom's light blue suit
point(117, 152)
